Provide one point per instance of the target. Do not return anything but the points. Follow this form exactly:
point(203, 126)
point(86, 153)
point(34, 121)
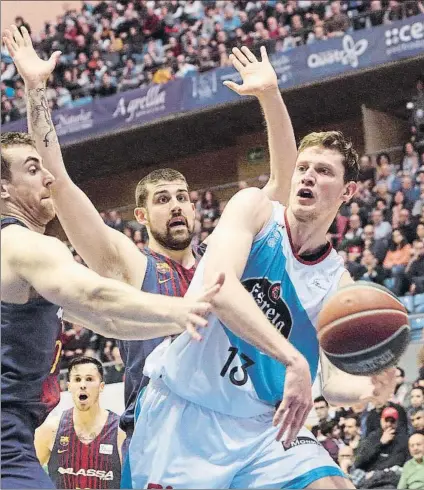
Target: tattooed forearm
point(39, 116)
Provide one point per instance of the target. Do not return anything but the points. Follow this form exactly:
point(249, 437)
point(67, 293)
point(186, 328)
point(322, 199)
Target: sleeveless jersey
point(223, 372)
point(30, 353)
point(73, 464)
point(163, 276)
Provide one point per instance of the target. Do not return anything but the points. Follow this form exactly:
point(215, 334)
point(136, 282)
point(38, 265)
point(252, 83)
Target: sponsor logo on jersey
point(64, 440)
point(268, 297)
point(301, 441)
point(102, 475)
point(106, 449)
point(163, 267)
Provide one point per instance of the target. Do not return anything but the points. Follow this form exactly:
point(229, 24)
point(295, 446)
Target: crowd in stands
point(119, 45)
point(378, 446)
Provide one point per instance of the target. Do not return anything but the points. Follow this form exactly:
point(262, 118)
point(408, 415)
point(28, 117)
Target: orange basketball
point(363, 328)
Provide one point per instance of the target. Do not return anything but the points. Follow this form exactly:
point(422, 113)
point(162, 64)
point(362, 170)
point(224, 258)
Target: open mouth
point(305, 193)
point(83, 397)
point(177, 221)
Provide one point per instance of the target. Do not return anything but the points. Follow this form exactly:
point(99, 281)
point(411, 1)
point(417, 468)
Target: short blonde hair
point(335, 140)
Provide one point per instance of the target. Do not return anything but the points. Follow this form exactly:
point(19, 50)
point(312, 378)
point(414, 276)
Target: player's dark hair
point(165, 174)
point(12, 139)
point(77, 361)
point(335, 140)
point(320, 399)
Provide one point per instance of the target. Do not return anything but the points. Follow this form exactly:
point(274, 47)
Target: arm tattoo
point(40, 116)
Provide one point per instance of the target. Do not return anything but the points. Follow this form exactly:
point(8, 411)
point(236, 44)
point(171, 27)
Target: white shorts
point(178, 444)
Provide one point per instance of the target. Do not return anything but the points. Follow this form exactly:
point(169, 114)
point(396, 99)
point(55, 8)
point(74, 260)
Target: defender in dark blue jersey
point(82, 447)
point(38, 273)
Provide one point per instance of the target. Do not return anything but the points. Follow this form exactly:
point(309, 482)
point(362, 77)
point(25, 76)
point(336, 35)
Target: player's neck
point(14, 212)
point(89, 418)
point(184, 257)
point(307, 237)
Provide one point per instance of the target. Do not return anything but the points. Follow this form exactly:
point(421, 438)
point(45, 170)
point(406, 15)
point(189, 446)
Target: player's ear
point(102, 386)
point(5, 189)
point(141, 215)
point(349, 191)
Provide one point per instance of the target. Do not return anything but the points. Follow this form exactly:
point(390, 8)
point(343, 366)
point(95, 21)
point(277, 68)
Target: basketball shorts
point(179, 444)
point(20, 467)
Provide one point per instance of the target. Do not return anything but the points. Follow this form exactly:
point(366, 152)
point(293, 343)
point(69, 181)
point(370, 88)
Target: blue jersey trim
point(307, 478)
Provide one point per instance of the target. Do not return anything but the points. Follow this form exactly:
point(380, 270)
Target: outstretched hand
point(30, 66)
point(257, 76)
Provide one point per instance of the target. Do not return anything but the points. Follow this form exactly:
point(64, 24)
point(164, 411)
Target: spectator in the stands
point(322, 410)
point(371, 270)
point(386, 175)
point(416, 418)
point(382, 229)
point(346, 460)
point(352, 432)
point(399, 252)
point(385, 447)
point(9, 112)
point(402, 388)
point(411, 192)
point(353, 233)
point(414, 271)
point(376, 15)
point(337, 22)
point(417, 398)
point(413, 471)
point(374, 417)
point(106, 87)
point(367, 170)
point(115, 373)
point(330, 441)
point(410, 161)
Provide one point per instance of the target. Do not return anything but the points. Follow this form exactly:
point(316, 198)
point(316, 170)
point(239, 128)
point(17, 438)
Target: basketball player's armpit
point(340, 388)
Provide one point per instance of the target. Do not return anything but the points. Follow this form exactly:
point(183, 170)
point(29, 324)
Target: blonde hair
point(335, 140)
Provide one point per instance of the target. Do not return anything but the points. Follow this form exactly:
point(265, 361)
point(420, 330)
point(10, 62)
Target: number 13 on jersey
point(233, 371)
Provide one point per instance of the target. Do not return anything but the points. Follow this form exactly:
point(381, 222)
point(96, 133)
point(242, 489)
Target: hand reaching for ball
point(384, 385)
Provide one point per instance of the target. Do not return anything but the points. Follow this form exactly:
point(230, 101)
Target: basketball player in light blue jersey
point(208, 418)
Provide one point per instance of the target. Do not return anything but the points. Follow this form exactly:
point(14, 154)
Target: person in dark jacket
point(384, 448)
point(374, 417)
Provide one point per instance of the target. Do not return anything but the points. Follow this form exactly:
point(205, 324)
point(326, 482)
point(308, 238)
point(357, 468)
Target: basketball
point(363, 329)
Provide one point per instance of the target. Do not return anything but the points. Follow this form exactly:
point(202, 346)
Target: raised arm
point(47, 265)
point(107, 251)
point(340, 388)
point(260, 80)
point(228, 248)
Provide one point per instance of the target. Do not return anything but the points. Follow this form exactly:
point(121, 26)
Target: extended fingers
point(26, 36)
point(249, 55)
point(236, 63)
point(241, 57)
point(10, 42)
point(17, 36)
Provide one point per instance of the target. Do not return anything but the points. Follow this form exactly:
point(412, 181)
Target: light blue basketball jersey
point(223, 372)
